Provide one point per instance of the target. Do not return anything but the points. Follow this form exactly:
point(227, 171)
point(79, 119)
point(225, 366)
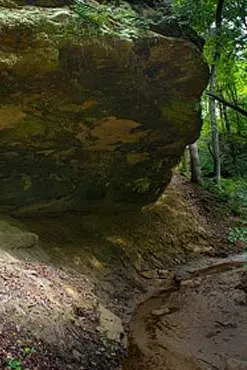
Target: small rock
point(161, 311)
point(149, 274)
point(111, 325)
point(164, 273)
point(191, 282)
point(76, 354)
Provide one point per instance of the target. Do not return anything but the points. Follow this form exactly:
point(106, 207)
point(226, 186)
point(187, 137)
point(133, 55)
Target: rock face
point(88, 119)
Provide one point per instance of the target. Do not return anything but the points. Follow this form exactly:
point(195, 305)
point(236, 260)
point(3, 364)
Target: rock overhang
point(91, 120)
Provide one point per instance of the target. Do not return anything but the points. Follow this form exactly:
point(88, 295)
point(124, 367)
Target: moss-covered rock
point(91, 118)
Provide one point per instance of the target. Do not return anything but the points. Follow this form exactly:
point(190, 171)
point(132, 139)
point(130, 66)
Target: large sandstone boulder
point(89, 118)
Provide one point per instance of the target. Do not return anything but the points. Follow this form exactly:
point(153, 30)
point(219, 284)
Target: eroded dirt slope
point(51, 319)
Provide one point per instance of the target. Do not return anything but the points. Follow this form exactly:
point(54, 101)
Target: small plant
point(28, 351)
point(13, 364)
point(16, 364)
point(238, 234)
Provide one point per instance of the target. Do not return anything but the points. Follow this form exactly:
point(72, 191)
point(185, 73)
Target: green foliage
point(98, 16)
point(198, 14)
point(121, 21)
point(234, 155)
point(237, 234)
point(28, 351)
point(231, 191)
point(236, 190)
point(13, 364)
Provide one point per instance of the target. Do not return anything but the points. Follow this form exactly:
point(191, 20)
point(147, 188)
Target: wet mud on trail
point(196, 320)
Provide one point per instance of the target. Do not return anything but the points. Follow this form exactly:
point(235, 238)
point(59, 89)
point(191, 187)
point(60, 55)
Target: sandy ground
point(198, 323)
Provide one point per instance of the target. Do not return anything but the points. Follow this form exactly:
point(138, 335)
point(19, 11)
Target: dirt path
point(199, 323)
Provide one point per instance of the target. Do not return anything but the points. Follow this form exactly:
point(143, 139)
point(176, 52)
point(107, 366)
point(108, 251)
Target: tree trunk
point(223, 115)
point(214, 128)
point(235, 100)
point(222, 118)
point(195, 164)
point(227, 122)
point(212, 106)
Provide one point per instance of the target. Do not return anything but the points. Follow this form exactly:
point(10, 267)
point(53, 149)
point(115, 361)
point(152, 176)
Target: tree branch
point(228, 104)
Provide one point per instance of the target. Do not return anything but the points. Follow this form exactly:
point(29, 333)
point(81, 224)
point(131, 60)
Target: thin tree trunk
point(195, 164)
point(214, 128)
point(212, 106)
point(233, 93)
point(227, 122)
point(222, 118)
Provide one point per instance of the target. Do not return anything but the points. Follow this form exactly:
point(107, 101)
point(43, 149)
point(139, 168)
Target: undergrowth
point(13, 363)
point(234, 193)
point(231, 191)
